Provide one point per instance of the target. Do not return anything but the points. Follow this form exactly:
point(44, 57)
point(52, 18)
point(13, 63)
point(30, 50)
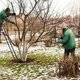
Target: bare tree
point(28, 12)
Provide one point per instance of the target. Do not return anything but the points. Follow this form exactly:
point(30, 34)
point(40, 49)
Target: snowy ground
point(33, 72)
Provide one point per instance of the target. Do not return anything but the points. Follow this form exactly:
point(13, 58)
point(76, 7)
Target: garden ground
point(44, 64)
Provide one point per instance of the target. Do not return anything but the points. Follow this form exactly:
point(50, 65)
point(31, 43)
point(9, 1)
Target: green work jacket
point(3, 16)
point(68, 39)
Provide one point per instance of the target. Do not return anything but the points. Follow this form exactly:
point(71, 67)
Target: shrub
point(69, 67)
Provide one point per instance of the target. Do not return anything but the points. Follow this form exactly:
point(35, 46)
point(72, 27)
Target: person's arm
point(65, 39)
point(8, 20)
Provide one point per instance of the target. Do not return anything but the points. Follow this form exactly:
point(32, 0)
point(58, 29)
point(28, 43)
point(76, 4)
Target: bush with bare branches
point(69, 67)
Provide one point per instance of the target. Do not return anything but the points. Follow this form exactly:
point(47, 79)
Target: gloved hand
point(14, 13)
point(61, 37)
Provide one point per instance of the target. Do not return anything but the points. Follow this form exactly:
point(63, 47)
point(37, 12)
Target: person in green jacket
point(68, 41)
point(4, 14)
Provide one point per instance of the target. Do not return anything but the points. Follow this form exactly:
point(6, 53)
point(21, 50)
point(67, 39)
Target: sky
point(2, 4)
point(68, 6)
point(60, 6)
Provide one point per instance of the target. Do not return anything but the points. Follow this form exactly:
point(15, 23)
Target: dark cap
point(7, 9)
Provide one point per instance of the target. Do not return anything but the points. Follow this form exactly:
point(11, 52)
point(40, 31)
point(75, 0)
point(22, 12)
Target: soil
point(20, 61)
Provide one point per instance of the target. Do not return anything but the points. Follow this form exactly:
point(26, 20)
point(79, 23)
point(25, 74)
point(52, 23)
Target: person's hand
point(14, 13)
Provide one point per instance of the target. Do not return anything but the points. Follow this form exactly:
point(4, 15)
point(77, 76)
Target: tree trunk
point(25, 51)
point(23, 55)
point(19, 48)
